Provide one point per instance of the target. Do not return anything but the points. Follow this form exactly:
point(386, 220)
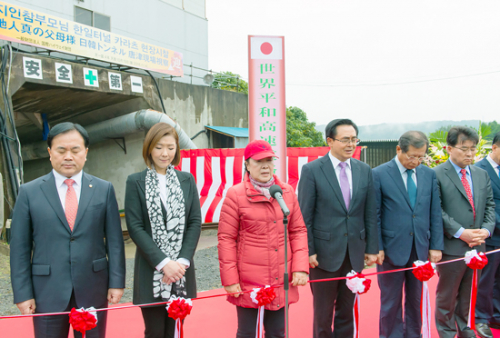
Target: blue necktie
point(498, 167)
point(412, 188)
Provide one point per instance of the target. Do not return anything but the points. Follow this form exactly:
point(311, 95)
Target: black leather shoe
point(483, 330)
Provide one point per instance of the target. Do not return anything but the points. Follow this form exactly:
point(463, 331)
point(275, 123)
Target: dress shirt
point(404, 173)
point(493, 163)
point(348, 171)
point(469, 179)
point(162, 181)
point(62, 187)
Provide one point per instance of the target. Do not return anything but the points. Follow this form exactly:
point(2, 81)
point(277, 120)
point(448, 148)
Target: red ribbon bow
point(366, 282)
point(82, 320)
point(478, 264)
point(265, 296)
point(179, 309)
point(423, 272)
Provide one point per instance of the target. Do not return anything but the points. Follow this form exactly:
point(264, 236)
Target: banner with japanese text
point(266, 95)
point(22, 25)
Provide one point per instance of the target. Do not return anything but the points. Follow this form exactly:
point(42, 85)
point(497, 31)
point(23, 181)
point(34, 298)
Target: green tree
point(299, 131)
point(495, 128)
point(230, 81)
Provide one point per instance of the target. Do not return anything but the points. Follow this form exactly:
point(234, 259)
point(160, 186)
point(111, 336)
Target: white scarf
point(167, 237)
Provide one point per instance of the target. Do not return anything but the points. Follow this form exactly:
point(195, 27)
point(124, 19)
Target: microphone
point(277, 193)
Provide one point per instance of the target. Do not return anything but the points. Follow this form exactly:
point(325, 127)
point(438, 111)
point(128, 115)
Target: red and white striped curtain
point(216, 170)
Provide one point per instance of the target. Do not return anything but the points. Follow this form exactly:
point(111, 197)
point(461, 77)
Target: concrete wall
point(179, 25)
point(191, 106)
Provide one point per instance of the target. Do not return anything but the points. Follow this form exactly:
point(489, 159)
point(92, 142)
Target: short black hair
point(413, 138)
point(459, 134)
point(496, 139)
point(331, 128)
point(66, 127)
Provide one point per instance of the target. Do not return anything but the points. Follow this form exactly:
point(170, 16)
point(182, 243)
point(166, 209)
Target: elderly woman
point(163, 216)
point(251, 243)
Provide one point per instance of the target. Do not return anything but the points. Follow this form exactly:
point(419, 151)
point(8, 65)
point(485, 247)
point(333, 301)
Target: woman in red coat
point(251, 243)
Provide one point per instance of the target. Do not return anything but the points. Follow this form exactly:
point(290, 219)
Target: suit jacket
point(400, 225)
point(457, 211)
point(494, 240)
point(49, 261)
point(148, 255)
point(331, 228)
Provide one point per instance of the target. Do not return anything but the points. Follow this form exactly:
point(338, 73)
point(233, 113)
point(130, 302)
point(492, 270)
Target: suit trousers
point(58, 326)
point(488, 293)
point(326, 296)
point(157, 322)
point(274, 322)
point(453, 298)
point(391, 286)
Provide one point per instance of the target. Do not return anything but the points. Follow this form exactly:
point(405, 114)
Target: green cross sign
point(91, 77)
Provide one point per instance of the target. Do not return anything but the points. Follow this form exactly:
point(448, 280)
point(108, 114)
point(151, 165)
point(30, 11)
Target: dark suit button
point(276, 278)
point(411, 233)
point(345, 234)
point(72, 239)
point(347, 216)
point(414, 216)
point(274, 221)
point(276, 250)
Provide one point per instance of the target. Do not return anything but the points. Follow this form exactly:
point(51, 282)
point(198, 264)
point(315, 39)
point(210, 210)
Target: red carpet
point(214, 317)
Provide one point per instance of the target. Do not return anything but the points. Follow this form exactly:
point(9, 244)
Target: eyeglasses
point(413, 158)
point(466, 150)
point(346, 141)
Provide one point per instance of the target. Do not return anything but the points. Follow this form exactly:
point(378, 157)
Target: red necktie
point(467, 190)
point(71, 203)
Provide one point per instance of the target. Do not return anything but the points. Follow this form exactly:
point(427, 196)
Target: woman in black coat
point(163, 216)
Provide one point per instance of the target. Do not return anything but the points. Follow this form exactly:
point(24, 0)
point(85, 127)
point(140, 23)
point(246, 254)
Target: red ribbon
point(265, 296)
point(423, 272)
point(178, 309)
point(354, 286)
point(82, 321)
point(356, 316)
point(478, 264)
point(366, 282)
point(475, 264)
point(262, 297)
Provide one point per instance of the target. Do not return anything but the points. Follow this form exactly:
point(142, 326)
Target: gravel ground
point(207, 278)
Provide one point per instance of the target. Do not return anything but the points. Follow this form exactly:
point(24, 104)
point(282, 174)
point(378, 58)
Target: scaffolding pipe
point(117, 127)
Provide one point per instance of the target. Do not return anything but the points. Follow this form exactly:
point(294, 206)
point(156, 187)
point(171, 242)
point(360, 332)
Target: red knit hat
point(258, 150)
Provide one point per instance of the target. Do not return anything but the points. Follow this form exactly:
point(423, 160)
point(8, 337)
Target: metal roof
point(230, 131)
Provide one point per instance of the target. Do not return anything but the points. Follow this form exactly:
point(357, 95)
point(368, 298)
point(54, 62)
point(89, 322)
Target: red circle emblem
point(266, 48)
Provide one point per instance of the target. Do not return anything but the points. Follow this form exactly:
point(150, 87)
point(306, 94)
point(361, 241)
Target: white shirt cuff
point(459, 233)
point(184, 261)
point(164, 262)
point(489, 233)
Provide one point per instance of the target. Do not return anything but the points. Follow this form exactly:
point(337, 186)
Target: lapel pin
point(90, 185)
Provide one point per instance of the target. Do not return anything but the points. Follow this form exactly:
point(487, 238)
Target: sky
point(384, 61)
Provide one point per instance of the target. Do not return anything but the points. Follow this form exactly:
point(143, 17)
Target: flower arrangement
point(438, 153)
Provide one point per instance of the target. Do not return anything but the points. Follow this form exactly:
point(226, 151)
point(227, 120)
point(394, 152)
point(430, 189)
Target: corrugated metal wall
point(378, 152)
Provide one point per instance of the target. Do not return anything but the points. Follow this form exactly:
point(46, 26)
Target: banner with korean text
point(266, 95)
point(22, 25)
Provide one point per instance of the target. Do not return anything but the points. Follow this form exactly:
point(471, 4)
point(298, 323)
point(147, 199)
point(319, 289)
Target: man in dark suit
point(67, 246)
point(488, 295)
point(468, 219)
point(338, 204)
point(410, 228)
